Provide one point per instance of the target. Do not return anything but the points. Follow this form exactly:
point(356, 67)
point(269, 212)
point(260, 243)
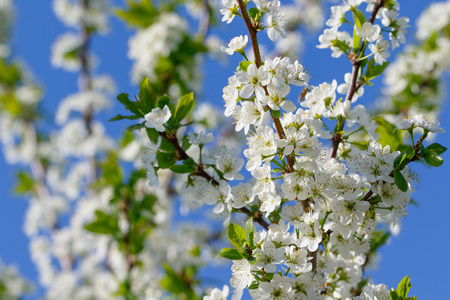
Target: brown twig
point(279, 128)
point(354, 86)
point(257, 216)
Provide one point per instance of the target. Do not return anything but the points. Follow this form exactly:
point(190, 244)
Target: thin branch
point(257, 216)
point(354, 86)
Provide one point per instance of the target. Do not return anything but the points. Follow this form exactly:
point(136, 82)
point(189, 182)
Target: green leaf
point(249, 233)
point(378, 70)
point(243, 65)
point(388, 134)
point(136, 126)
point(103, 224)
point(358, 17)
point(172, 282)
point(379, 238)
point(403, 287)
point(432, 158)
point(147, 203)
point(404, 158)
point(111, 171)
point(276, 114)
point(369, 68)
point(25, 183)
point(147, 94)
point(166, 159)
point(236, 235)
point(230, 253)
point(163, 101)
point(140, 14)
point(254, 285)
point(188, 166)
point(400, 181)
point(183, 108)
point(120, 117)
point(133, 106)
point(153, 135)
point(438, 148)
point(254, 258)
point(9, 73)
point(186, 144)
point(127, 138)
point(253, 12)
point(189, 162)
point(393, 295)
point(356, 41)
point(341, 45)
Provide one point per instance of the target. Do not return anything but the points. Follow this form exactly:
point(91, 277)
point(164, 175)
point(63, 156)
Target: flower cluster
point(325, 209)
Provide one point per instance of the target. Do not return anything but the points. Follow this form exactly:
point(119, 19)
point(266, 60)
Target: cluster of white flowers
point(13, 286)
point(80, 14)
point(276, 20)
point(156, 41)
point(369, 32)
point(328, 209)
point(416, 71)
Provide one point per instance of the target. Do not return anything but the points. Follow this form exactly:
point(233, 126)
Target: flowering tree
point(319, 187)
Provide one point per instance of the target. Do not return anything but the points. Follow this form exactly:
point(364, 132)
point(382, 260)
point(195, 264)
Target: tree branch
point(257, 216)
point(356, 64)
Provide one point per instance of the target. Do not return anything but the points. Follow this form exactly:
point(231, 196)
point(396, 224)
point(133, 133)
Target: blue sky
point(419, 250)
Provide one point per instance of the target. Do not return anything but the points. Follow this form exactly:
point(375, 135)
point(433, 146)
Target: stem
point(279, 128)
point(86, 82)
point(252, 32)
point(257, 216)
point(354, 86)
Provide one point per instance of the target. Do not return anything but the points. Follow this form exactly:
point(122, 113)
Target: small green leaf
point(133, 106)
point(188, 166)
point(111, 171)
point(432, 158)
point(243, 65)
point(358, 17)
point(163, 101)
point(249, 233)
point(180, 169)
point(140, 13)
point(341, 45)
point(147, 94)
point(254, 258)
point(378, 69)
point(438, 148)
point(186, 144)
point(236, 235)
point(189, 162)
point(404, 158)
point(393, 295)
point(403, 287)
point(173, 282)
point(253, 12)
point(183, 108)
point(136, 126)
point(356, 41)
point(120, 117)
point(400, 181)
point(369, 68)
point(230, 253)
point(25, 183)
point(254, 285)
point(154, 136)
point(276, 114)
point(166, 159)
point(103, 224)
